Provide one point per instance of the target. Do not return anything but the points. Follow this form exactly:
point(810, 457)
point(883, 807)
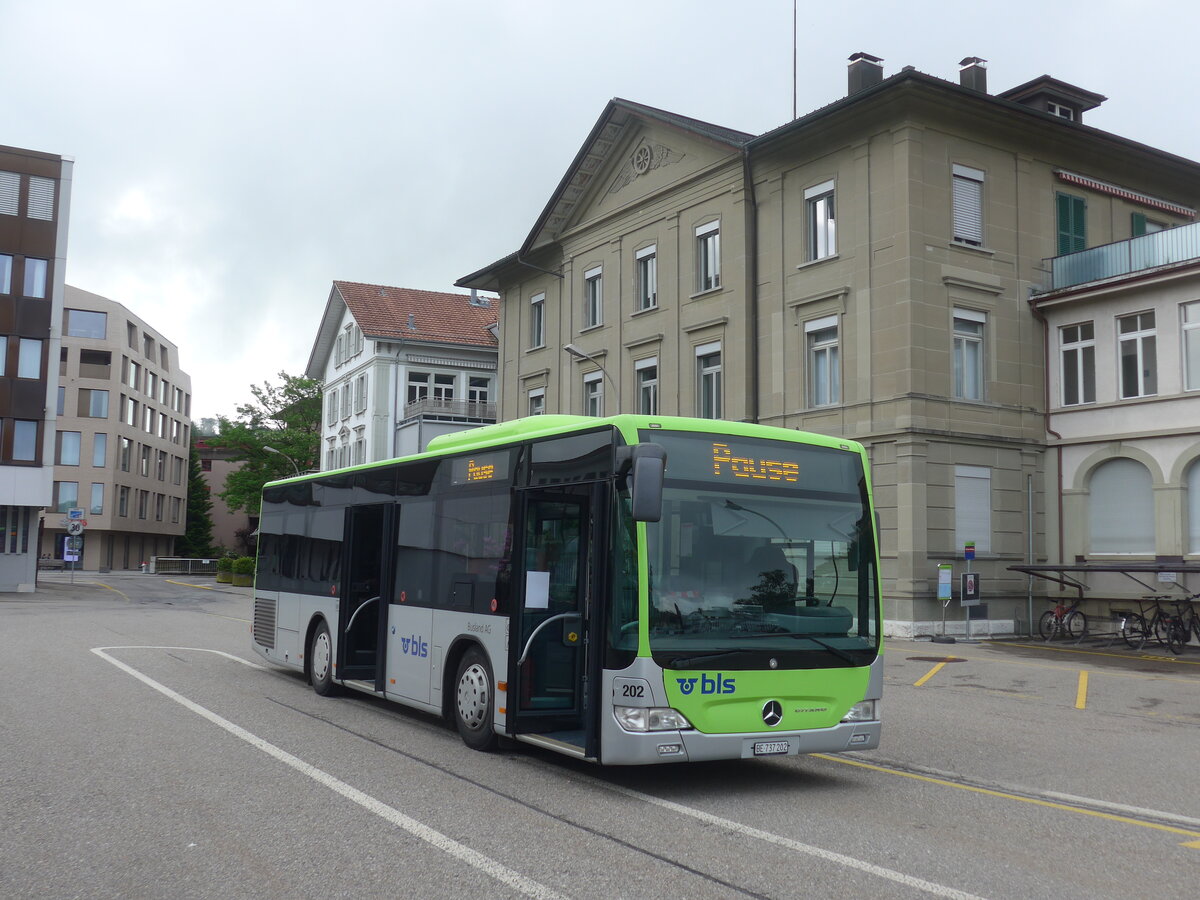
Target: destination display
point(747, 461)
point(482, 467)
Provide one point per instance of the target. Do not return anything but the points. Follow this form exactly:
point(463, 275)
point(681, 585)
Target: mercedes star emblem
point(772, 713)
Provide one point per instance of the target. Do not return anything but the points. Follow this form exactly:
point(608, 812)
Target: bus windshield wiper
point(689, 661)
point(836, 651)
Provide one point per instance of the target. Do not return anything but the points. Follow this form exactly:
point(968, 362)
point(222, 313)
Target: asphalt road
point(172, 764)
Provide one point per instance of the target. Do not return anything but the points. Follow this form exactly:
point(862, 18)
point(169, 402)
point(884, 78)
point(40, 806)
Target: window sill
point(535, 349)
point(644, 312)
point(706, 293)
point(975, 248)
point(816, 262)
point(588, 328)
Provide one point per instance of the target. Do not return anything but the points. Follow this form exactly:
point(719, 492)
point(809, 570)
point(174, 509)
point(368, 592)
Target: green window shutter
point(1072, 223)
point(1138, 223)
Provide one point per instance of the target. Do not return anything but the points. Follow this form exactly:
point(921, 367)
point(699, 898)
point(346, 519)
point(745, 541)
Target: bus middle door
point(545, 695)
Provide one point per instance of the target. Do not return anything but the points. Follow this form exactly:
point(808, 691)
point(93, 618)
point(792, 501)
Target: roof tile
point(383, 312)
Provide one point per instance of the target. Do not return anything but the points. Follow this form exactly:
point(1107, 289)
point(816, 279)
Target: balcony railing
point(456, 409)
point(1162, 248)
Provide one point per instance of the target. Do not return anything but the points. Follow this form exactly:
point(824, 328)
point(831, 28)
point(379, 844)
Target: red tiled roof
point(383, 312)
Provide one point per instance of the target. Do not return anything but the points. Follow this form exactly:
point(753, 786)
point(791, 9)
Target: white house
point(399, 367)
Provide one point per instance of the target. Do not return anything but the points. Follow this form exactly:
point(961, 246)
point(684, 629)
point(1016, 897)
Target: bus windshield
point(764, 556)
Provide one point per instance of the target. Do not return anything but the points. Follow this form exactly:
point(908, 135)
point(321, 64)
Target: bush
point(225, 564)
point(243, 565)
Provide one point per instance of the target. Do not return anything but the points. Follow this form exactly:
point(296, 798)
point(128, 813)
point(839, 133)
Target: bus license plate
point(770, 748)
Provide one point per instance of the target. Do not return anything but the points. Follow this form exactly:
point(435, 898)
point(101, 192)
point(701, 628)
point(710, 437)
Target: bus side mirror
point(649, 464)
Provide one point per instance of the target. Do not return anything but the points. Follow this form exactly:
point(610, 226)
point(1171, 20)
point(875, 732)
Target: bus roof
point(533, 427)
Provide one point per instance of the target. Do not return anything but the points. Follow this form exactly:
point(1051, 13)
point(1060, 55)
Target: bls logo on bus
point(716, 685)
point(414, 646)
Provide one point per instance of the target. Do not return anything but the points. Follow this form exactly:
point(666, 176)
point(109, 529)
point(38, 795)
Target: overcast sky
point(232, 159)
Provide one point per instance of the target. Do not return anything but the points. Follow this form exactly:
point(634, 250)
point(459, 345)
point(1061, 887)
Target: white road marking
point(447, 845)
point(841, 859)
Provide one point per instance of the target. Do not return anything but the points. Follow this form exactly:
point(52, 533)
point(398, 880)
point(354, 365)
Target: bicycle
point(1181, 626)
point(1066, 621)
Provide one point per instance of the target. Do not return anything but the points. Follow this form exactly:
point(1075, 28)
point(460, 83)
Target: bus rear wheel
point(320, 661)
point(473, 701)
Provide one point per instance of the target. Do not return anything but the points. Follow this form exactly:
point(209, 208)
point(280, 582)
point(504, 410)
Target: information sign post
point(945, 594)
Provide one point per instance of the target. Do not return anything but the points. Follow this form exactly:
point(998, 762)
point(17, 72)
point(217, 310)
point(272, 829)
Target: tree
point(285, 417)
point(197, 535)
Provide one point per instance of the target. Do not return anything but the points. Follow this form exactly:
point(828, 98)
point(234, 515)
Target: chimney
point(972, 74)
point(864, 71)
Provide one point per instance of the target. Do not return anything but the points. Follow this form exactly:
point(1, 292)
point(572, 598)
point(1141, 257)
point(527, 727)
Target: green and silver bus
point(625, 590)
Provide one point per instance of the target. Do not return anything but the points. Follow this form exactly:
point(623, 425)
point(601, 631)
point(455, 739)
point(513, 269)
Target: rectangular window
point(824, 373)
point(968, 354)
point(647, 277)
point(122, 501)
point(443, 388)
point(1139, 363)
point(346, 400)
point(1191, 346)
point(360, 451)
point(60, 405)
point(40, 204)
point(479, 391)
point(593, 297)
point(708, 381)
point(68, 448)
point(66, 495)
point(331, 408)
point(92, 404)
point(10, 192)
point(25, 440)
point(131, 335)
point(647, 386)
point(1071, 213)
point(29, 360)
point(973, 507)
point(143, 503)
point(418, 386)
point(968, 205)
point(158, 506)
point(708, 257)
point(1139, 225)
point(360, 393)
point(95, 363)
point(160, 465)
point(6, 265)
point(35, 277)
point(593, 394)
point(1078, 350)
point(4, 359)
point(537, 401)
point(177, 468)
point(537, 320)
point(100, 450)
point(96, 508)
point(126, 453)
point(147, 346)
point(133, 374)
point(821, 221)
point(175, 504)
point(144, 469)
point(151, 384)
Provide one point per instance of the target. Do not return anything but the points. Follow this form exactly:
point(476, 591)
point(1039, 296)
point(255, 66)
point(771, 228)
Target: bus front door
point(362, 613)
point(546, 696)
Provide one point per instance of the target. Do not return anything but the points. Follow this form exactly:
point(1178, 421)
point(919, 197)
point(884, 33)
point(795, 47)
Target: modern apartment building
point(1123, 345)
point(399, 367)
point(124, 426)
point(35, 201)
point(230, 530)
point(863, 271)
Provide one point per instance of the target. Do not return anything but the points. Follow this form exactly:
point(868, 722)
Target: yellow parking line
point(108, 587)
point(203, 587)
point(1081, 692)
point(929, 674)
point(1193, 844)
point(1174, 659)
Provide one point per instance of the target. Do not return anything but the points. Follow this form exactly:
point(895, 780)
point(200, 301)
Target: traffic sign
point(75, 512)
point(75, 528)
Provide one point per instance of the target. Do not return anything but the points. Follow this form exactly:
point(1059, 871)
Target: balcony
point(1150, 251)
point(450, 410)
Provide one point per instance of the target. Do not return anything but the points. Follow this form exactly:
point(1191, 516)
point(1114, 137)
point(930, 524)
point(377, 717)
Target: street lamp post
point(575, 353)
point(284, 455)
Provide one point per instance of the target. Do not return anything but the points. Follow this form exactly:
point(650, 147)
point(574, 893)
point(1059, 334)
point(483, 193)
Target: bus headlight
point(867, 711)
point(657, 718)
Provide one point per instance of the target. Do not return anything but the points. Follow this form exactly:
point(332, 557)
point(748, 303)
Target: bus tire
point(474, 699)
point(320, 661)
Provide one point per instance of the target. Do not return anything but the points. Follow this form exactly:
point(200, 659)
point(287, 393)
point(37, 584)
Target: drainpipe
point(1037, 314)
point(752, 294)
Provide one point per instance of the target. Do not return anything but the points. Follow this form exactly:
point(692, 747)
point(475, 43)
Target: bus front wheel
point(473, 699)
point(320, 661)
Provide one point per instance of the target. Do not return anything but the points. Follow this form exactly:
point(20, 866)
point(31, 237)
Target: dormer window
point(1063, 112)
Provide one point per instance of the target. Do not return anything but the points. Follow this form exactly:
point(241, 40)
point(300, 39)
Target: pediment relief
point(647, 156)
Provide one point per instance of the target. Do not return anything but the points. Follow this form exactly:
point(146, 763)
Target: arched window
point(1192, 500)
point(1121, 511)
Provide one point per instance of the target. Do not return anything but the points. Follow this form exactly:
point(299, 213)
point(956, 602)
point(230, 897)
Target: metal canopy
point(1072, 576)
